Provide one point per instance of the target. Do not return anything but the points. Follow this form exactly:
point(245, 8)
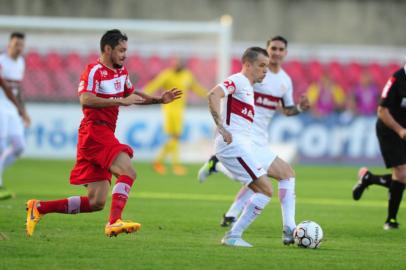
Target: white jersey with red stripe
point(12, 71)
point(104, 82)
point(275, 88)
point(237, 111)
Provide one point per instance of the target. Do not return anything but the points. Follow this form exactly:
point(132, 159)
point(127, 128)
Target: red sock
point(57, 206)
point(84, 205)
point(71, 205)
point(119, 197)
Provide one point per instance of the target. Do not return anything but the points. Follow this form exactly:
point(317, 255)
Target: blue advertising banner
point(336, 139)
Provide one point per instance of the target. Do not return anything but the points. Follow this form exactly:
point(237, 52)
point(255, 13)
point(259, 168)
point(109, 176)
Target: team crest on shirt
point(117, 84)
point(229, 85)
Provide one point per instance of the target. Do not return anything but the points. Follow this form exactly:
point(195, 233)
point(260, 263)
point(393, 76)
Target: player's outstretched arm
point(214, 97)
point(389, 121)
point(302, 106)
point(166, 97)
point(93, 101)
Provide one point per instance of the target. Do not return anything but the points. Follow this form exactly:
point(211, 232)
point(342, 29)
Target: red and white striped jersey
point(275, 88)
point(12, 71)
point(237, 109)
point(105, 83)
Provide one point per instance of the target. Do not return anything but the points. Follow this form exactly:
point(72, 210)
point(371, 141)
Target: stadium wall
point(301, 21)
point(337, 139)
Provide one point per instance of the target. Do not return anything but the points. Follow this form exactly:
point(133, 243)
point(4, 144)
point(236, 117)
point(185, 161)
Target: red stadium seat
point(338, 74)
point(235, 65)
point(155, 65)
point(74, 61)
point(314, 70)
point(53, 61)
point(33, 60)
point(354, 70)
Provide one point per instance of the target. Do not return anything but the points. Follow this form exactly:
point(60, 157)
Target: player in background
point(391, 133)
point(276, 88)
point(12, 118)
point(179, 77)
point(104, 86)
point(234, 120)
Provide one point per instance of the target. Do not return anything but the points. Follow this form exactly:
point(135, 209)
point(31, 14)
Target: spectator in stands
point(363, 99)
point(326, 97)
point(180, 77)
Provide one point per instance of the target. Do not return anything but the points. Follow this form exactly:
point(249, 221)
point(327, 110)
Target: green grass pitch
point(180, 224)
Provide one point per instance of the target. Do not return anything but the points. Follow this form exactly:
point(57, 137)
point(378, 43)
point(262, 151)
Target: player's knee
point(18, 146)
point(130, 172)
point(97, 204)
point(400, 174)
point(287, 172)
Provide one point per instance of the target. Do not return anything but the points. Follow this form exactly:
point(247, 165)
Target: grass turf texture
point(180, 224)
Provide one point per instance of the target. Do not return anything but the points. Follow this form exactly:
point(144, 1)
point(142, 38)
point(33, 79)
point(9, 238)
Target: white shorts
point(11, 124)
point(264, 155)
point(241, 163)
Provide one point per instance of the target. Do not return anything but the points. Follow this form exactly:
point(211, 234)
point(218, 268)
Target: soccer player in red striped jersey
point(104, 86)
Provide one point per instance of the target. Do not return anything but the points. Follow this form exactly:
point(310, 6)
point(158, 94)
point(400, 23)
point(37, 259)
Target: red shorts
point(96, 150)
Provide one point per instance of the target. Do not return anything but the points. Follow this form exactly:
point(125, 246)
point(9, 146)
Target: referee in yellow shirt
point(177, 76)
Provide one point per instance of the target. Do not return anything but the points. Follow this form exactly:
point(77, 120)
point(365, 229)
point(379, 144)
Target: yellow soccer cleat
point(121, 226)
point(33, 216)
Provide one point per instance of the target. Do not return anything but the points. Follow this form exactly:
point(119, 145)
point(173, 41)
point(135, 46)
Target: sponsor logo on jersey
point(266, 101)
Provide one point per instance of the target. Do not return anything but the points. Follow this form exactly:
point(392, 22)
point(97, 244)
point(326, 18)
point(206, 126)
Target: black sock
point(214, 159)
point(395, 197)
point(381, 180)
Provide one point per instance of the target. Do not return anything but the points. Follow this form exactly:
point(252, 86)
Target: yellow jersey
point(183, 80)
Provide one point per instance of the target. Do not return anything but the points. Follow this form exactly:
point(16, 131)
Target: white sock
point(287, 198)
point(251, 211)
point(8, 157)
point(240, 201)
point(220, 168)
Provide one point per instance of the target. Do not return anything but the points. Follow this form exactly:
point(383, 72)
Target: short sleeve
point(287, 98)
point(388, 95)
point(128, 86)
point(228, 87)
point(90, 80)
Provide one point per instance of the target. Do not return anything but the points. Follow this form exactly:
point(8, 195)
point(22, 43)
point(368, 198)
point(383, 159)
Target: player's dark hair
point(278, 38)
point(112, 38)
point(251, 54)
point(19, 35)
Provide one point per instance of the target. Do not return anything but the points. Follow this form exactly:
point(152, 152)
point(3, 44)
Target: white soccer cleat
point(207, 169)
point(203, 173)
point(287, 236)
point(234, 241)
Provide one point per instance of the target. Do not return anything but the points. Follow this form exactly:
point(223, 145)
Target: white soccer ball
point(308, 234)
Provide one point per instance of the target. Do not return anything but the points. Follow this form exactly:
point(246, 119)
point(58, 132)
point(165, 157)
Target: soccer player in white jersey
point(12, 118)
point(234, 120)
point(274, 89)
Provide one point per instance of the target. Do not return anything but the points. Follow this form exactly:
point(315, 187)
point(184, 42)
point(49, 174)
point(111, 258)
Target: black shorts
point(393, 148)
